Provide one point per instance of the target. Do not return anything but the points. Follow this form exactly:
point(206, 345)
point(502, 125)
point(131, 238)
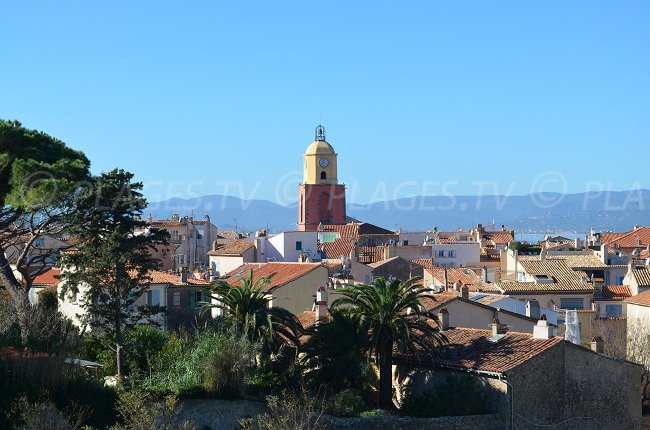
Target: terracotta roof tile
point(237, 247)
point(341, 247)
point(564, 277)
point(283, 272)
point(628, 240)
point(424, 263)
point(473, 349)
point(356, 229)
point(614, 292)
point(467, 277)
point(640, 299)
point(48, 278)
point(642, 275)
point(159, 277)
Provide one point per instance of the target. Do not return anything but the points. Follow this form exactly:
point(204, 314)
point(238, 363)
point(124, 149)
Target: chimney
point(464, 292)
point(320, 307)
point(457, 286)
point(542, 330)
point(503, 227)
point(532, 309)
point(215, 245)
point(604, 251)
point(184, 272)
point(485, 274)
point(542, 255)
point(443, 319)
point(577, 243)
point(597, 344)
point(445, 279)
point(497, 327)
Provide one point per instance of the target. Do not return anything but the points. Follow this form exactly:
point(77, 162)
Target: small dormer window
point(323, 175)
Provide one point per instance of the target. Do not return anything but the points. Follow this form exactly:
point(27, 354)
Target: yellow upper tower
point(320, 161)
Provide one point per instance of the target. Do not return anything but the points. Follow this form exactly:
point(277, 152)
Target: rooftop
point(283, 273)
point(235, 248)
point(473, 349)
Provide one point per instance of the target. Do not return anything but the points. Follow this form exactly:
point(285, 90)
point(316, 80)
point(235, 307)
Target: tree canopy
point(111, 266)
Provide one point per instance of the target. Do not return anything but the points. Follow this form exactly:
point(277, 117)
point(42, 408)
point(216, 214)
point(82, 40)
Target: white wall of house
point(456, 254)
point(289, 245)
point(555, 300)
point(518, 306)
point(223, 264)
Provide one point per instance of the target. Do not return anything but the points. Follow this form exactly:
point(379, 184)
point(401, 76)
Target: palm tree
point(334, 354)
point(249, 305)
point(395, 318)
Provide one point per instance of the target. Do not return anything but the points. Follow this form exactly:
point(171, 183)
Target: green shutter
point(192, 300)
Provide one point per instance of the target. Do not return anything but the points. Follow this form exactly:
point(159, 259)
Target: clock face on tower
point(324, 162)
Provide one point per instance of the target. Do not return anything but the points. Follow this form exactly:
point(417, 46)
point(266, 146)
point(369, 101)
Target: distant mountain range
point(539, 213)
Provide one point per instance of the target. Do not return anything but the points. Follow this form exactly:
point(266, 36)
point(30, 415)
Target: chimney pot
point(464, 292)
point(542, 330)
point(598, 344)
point(443, 319)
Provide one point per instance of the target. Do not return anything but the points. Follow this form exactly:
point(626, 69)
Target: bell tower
point(321, 199)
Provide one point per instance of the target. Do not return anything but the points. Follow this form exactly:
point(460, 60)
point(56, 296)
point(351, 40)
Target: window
point(406, 242)
point(441, 254)
point(614, 310)
point(153, 297)
point(328, 237)
point(323, 175)
point(619, 280)
point(176, 299)
point(571, 303)
point(195, 300)
point(298, 245)
point(451, 254)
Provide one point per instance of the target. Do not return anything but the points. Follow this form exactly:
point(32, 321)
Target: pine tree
point(111, 267)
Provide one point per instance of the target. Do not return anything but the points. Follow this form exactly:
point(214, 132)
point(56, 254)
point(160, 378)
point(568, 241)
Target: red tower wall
point(320, 203)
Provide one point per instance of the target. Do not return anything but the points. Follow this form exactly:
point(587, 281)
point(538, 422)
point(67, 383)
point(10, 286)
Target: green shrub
point(216, 363)
point(373, 413)
point(140, 412)
point(265, 381)
point(347, 403)
point(459, 395)
point(143, 347)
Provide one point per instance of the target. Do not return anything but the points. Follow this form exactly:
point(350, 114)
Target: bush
point(141, 412)
point(216, 364)
point(459, 395)
point(347, 403)
point(298, 410)
point(265, 381)
point(373, 413)
point(143, 347)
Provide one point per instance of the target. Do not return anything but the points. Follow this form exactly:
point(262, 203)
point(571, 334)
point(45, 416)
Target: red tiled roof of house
point(165, 223)
point(48, 278)
point(237, 247)
point(341, 247)
point(306, 318)
point(434, 301)
point(614, 292)
point(467, 277)
point(628, 240)
point(356, 229)
point(424, 263)
point(640, 299)
point(160, 277)
point(473, 349)
point(283, 273)
point(642, 275)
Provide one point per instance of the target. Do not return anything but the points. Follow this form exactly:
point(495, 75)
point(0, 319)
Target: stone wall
point(223, 414)
point(575, 386)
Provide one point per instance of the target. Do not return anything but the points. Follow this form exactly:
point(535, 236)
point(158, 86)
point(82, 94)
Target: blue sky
point(421, 97)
